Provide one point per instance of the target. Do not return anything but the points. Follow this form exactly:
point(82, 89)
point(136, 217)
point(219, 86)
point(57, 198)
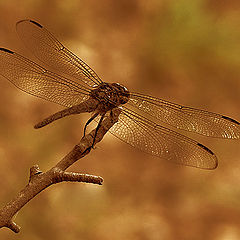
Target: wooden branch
point(39, 181)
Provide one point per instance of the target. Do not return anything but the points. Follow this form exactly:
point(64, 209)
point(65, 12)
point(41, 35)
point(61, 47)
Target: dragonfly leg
point(111, 114)
point(97, 128)
point(89, 121)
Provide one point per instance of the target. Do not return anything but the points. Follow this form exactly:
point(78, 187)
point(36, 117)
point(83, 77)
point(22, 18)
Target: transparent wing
point(162, 142)
point(186, 118)
point(50, 51)
point(36, 80)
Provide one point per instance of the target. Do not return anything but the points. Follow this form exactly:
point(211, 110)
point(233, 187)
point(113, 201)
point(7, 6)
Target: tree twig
point(38, 180)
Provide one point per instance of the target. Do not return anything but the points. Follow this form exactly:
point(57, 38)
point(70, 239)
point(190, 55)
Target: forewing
point(162, 142)
point(36, 80)
point(187, 118)
point(51, 52)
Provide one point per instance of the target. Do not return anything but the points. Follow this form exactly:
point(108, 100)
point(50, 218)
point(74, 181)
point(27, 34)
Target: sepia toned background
point(183, 51)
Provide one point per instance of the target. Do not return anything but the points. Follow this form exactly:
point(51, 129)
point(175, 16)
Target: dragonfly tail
point(87, 106)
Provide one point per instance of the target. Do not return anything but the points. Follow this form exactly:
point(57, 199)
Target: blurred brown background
point(184, 51)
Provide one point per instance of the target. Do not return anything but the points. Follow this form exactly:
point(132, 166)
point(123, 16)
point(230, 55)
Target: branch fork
point(39, 181)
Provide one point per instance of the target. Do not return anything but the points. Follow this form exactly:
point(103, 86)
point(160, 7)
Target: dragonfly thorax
point(110, 95)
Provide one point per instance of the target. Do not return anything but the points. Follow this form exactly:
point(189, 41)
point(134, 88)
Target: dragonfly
point(78, 88)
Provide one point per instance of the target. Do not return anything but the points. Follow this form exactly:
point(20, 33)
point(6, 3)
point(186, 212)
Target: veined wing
point(162, 142)
point(187, 118)
point(36, 80)
point(51, 52)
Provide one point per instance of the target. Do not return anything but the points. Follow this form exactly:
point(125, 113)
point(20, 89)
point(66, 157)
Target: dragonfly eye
point(120, 87)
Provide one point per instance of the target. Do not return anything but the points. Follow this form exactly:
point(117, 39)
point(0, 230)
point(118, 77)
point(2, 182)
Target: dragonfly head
point(122, 92)
point(110, 95)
